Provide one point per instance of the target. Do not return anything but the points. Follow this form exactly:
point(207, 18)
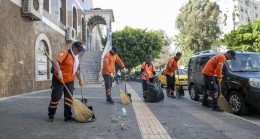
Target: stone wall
point(18, 36)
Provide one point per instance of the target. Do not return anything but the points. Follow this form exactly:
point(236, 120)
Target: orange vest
point(66, 62)
point(148, 70)
point(215, 65)
point(109, 63)
point(173, 62)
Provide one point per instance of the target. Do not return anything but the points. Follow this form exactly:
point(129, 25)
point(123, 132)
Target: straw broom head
point(82, 113)
point(224, 105)
point(125, 99)
point(222, 102)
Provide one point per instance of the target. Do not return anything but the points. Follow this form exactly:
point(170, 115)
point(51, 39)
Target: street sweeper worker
point(147, 71)
point(66, 68)
point(170, 74)
point(214, 67)
point(108, 71)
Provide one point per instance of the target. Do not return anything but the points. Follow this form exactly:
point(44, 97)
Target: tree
point(134, 45)
point(198, 23)
point(245, 38)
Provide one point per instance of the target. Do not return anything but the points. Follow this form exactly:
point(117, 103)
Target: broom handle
point(220, 93)
point(125, 82)
point(61, 80)
point(67, 89)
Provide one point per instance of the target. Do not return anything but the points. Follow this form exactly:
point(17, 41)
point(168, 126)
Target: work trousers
point(144, 85)
point(108, 85)
point(57, 90)
point(211, 87)
point(170, 84)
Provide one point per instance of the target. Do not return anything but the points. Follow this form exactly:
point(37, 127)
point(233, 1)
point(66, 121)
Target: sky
point(150, 14)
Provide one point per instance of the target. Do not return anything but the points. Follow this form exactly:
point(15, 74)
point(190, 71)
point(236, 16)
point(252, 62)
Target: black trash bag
point(154, 91)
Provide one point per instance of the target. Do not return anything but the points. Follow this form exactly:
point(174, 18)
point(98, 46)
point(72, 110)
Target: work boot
point(110, 101)
point(69, 119)
point(51, 118)
point(205, 104)
point(217, 109)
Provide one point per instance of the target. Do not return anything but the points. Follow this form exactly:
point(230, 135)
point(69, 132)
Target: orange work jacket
point(66, 62)
point(109, 63)
point(148, 70)
point(215, 65)
point(174, 66)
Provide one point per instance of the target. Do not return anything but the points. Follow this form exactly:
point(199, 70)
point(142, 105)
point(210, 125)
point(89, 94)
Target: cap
point(78, 45)
point(233, 54)
point(149, 57)
point(114, 48)
point(178, 54)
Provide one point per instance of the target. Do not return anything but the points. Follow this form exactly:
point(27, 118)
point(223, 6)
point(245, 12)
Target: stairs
point(90, 66)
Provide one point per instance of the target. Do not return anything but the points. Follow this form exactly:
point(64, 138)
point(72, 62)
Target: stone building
point(28, 27)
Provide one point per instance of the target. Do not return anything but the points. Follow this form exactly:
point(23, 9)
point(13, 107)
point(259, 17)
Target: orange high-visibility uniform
point(174, 66)
point(109, 63)
point(66, 62)
point(215, 65)
point(148, 70)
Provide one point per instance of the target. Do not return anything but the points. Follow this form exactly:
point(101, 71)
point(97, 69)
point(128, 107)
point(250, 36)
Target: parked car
point(241, 79)
point(182, 79)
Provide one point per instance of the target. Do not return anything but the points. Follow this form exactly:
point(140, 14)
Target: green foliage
point(134, 45)
point(186, 54)
point(245, 38)
point(198, 25)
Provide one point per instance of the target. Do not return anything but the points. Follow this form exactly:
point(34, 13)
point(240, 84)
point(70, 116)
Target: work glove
point(171, 74)
point(112, 75)
point(219, 80)
point(60, 75)
point(124, 70)
point(81, 82)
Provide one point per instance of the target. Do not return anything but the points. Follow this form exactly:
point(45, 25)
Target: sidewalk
point(25, 117)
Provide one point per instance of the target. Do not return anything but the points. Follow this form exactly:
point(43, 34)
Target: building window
point(46, 5)
point(43, 65)
point(75, 19)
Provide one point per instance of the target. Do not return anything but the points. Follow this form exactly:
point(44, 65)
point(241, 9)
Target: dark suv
point(241, 79)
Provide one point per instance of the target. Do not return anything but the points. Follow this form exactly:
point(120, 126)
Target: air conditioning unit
point(31, 8)
point(70, 34)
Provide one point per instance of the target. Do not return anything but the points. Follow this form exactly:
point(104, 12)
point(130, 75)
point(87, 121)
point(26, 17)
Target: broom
point(125, 99)
point(82, 113)
point(223, 104)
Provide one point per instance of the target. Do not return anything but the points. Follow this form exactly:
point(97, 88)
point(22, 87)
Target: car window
point(201, 62)
point(245, 62)
point(192, 64)
point(182, 72)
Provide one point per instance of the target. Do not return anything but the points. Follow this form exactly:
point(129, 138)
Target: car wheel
point(193, 93)
point(237, 103)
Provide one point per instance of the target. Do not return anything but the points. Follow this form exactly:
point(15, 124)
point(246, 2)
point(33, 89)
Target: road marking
point(149, 125)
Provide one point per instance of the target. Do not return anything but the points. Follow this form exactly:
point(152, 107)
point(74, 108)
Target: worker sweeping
point(66, 65)
point(108, 71)
point(147, 71)
point(170, 74)
point(214, 66)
